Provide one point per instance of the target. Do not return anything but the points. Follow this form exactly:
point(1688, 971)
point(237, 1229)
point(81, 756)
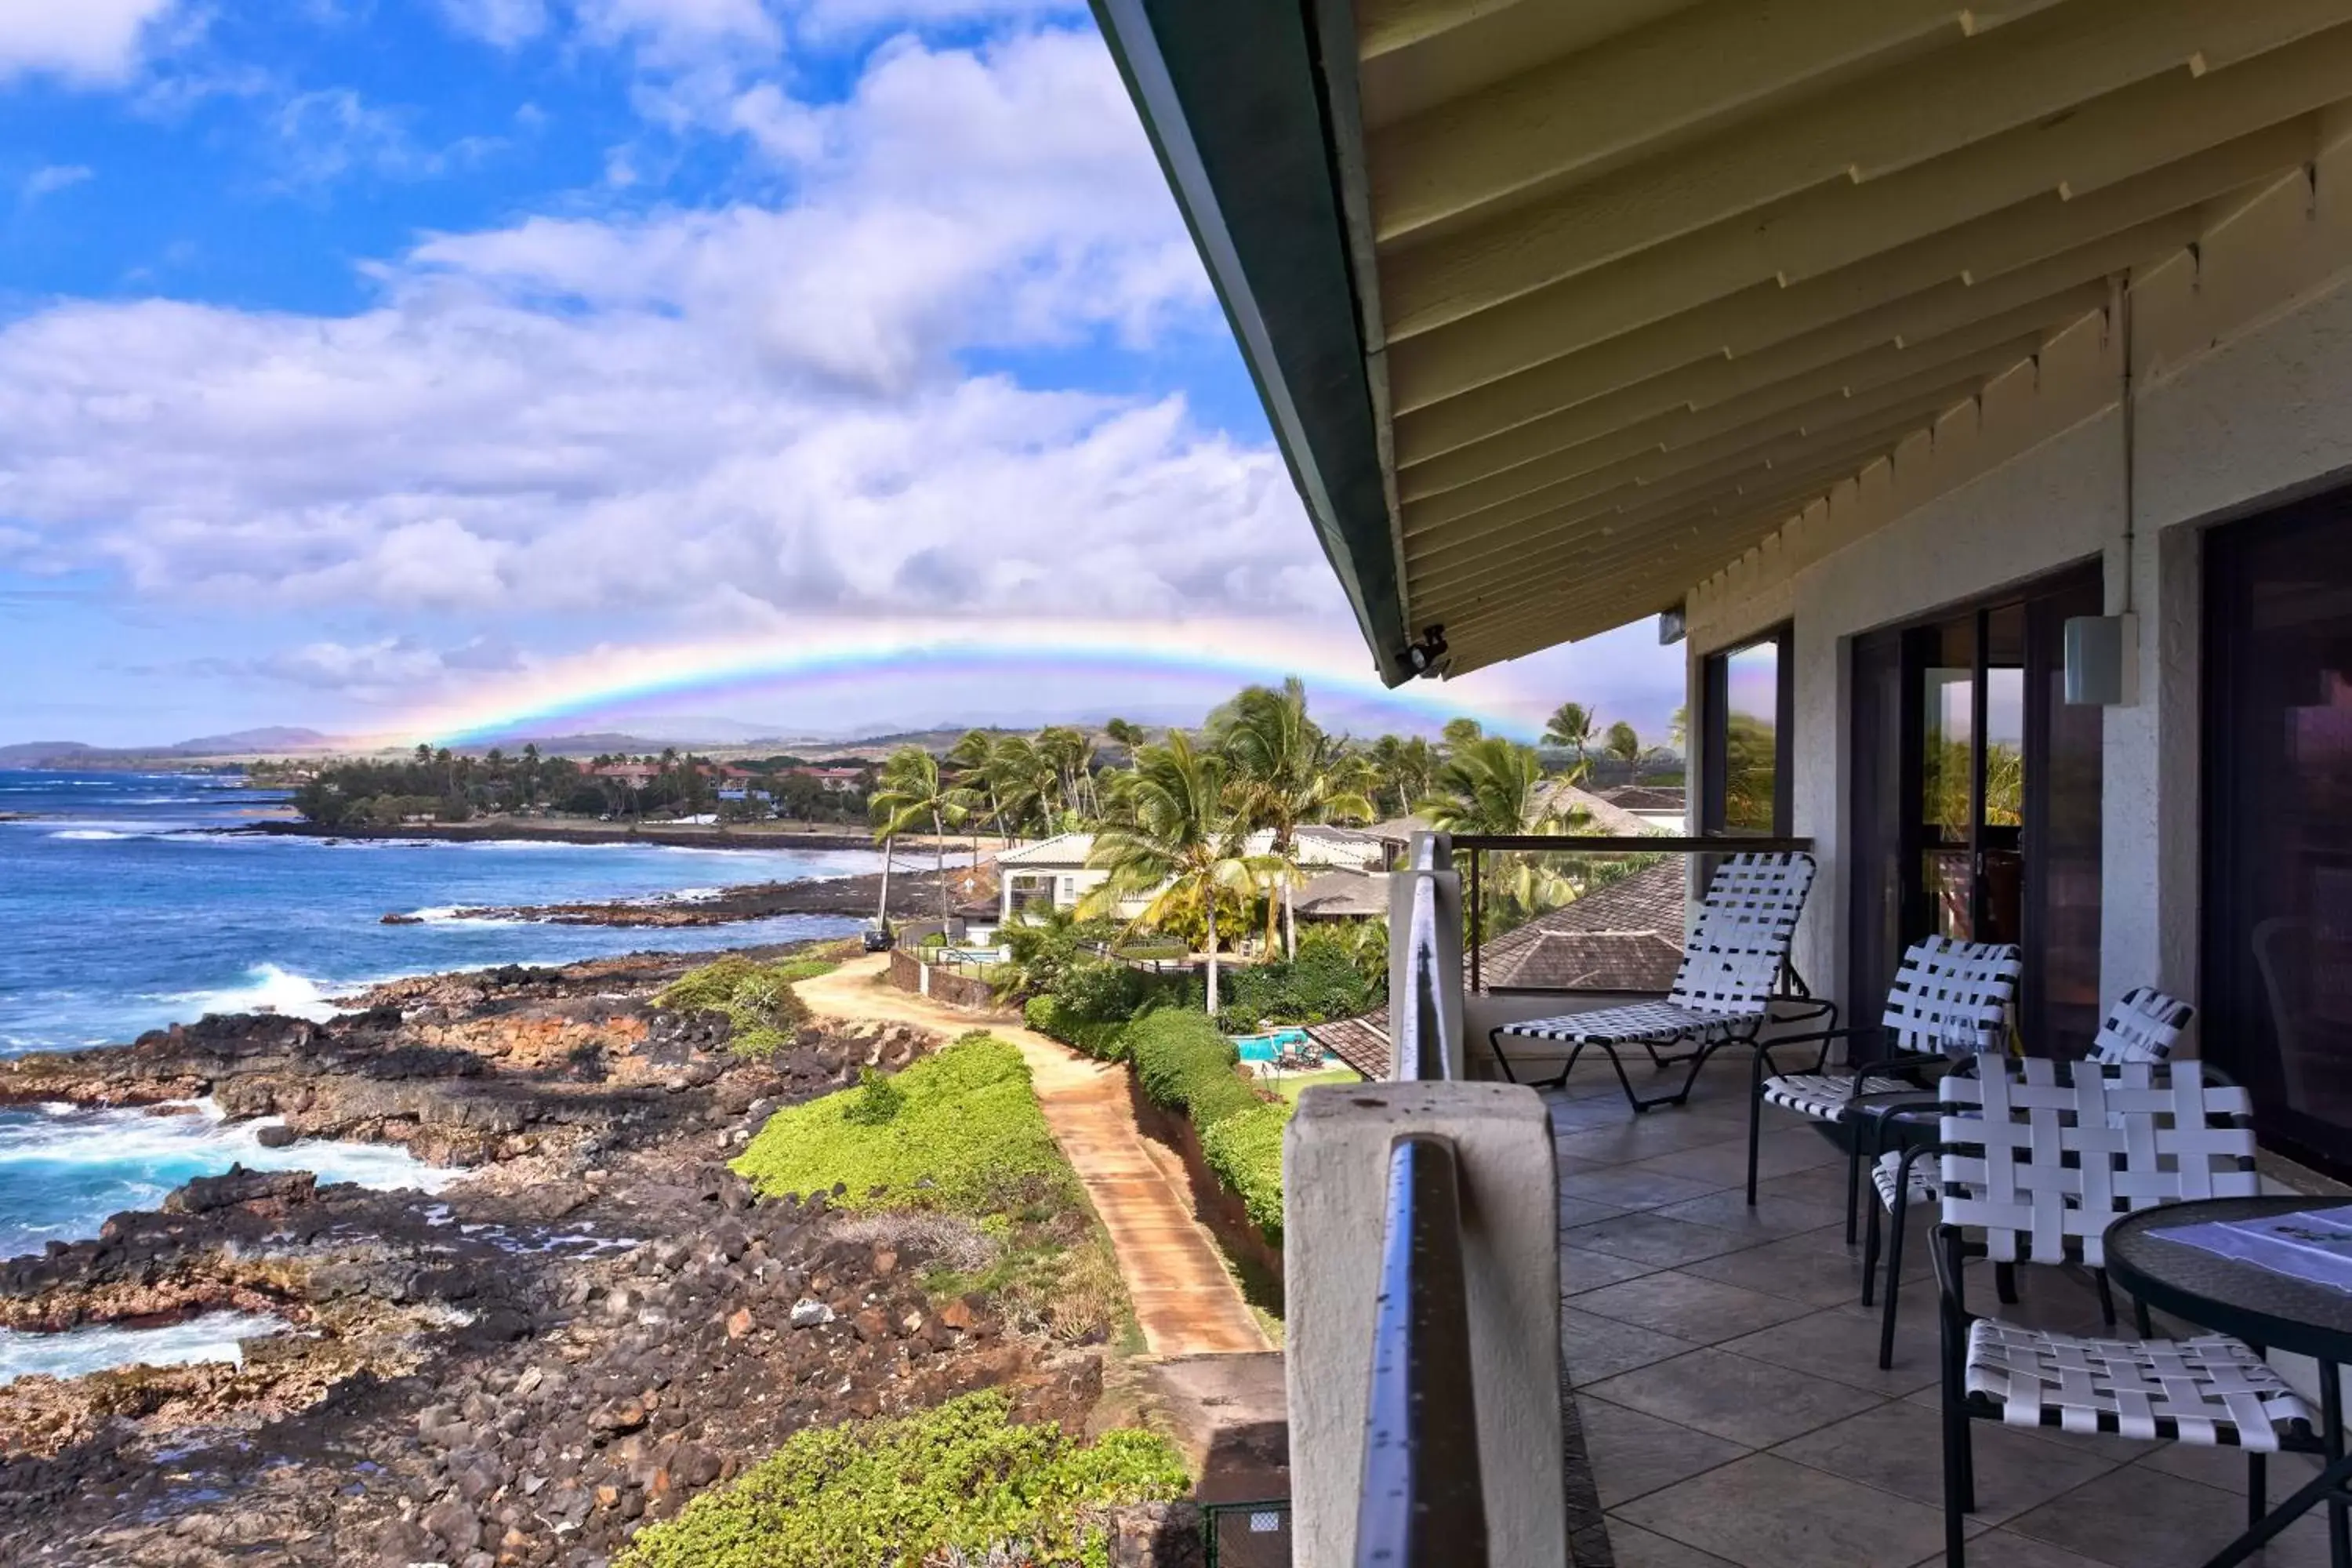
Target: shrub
point(1184, 1064)
point(1105, 1039)
point(960, 1480)
point(878, 1101)
point(1324, 981)
point(966, 1136)
point(1245, 1152)
point(1095, 991)
point(758, 998)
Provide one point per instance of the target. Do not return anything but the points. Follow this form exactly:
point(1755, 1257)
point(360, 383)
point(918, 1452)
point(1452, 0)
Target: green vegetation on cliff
point(962, 1132)
point(961, 1477)
point(758, 998)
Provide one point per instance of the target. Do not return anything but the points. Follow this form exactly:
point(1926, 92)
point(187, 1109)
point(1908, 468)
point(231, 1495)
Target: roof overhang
point(1558, 310)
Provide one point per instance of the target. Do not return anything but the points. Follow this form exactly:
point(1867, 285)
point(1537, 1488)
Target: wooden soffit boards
point(1642, 279)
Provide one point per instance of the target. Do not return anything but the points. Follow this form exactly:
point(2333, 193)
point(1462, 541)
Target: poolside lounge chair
point(1734, 965)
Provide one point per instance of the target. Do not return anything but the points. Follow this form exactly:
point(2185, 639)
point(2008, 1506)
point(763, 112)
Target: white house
point(1053, 873)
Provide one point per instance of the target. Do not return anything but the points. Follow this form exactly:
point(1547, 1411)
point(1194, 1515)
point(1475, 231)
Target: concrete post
point(1335, 1180)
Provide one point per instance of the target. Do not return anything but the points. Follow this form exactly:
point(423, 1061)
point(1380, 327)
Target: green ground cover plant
point(960, 1130)
point(758, 998)
point(1184, 1064)
point(962, 1476)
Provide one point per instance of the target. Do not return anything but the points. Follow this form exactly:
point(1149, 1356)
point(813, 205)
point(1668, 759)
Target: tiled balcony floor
point(1727, 1383)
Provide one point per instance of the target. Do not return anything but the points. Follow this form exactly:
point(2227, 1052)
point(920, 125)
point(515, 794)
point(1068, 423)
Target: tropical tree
point(1025, 782)
point(1404, 770)
point(911, 792)
point(970, 758)
point(1287, 770)
point(1623, 744)
point(1124, 732)
point(1173, 837)
point(1496, 786)
point(1071, 754)
point(1571, 728)
point(1460, 732)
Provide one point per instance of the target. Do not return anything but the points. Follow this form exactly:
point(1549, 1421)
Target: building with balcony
point(1969, 389)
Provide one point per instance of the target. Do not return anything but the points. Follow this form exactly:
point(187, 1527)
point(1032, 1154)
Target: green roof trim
point(1233, 97)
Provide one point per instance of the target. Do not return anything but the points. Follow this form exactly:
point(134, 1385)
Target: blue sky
point(354, 352)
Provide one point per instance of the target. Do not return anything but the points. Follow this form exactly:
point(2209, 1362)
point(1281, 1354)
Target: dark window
point(1745, 699)
point(2278, 821)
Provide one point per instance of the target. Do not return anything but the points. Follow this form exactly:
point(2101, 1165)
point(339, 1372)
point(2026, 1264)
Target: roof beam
point(2014, 96)
point(1528, 524)
point(1837, 225)
point(1568, 114)
point(1892, 375)
point(1801, 465)
point(2014, 255)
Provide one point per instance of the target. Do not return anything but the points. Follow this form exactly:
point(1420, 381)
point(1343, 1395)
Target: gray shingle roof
point(1627, 936)
point(1362, 1043)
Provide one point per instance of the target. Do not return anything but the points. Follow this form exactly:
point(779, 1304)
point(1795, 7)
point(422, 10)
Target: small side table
point(2268, 1309)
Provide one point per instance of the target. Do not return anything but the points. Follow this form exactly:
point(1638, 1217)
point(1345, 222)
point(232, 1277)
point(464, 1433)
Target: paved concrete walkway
point(1185, 1302)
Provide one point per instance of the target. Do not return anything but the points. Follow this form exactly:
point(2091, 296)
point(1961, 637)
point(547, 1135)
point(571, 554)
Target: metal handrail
point(1420, 1053)
point(1422, 1504)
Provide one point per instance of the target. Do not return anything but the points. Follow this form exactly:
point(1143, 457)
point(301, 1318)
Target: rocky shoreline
point(598, 1321)
point(506, 828)
point(913, 894)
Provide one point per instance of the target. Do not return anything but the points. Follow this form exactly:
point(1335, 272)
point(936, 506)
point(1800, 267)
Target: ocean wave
point(211, 1336)
point(101, 835)
point(269, 989)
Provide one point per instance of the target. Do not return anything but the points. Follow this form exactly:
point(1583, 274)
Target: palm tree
point(1072, 755)
point(1623, 744)
point(1023, 780)
point(1174, 838)
point(1405, 770)
point(1492, 785)
point(1285, 770)
point(1125, 733)
point(970, 757)
point(1460, 732)
point(909, 792)
point(1571, 728)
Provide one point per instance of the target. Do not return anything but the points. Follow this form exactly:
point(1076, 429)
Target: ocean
point(122, 908)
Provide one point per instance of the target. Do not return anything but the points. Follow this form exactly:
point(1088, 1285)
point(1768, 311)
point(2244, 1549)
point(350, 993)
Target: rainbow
point(1142, 660)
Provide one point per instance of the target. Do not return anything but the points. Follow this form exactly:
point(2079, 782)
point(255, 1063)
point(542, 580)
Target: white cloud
point(55, 177)
point(324, 136)
point(826, 19)
point(718, 419)
point(502, 23)
point(678, 32)
point(87, 42)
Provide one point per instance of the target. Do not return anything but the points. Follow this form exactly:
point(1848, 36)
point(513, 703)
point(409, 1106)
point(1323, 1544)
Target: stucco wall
point(2242, 362)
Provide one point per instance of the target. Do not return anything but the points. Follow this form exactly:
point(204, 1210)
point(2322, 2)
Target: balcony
point(1720, 1398)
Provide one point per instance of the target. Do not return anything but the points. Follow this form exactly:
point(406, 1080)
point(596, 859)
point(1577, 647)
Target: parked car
point(878, 937)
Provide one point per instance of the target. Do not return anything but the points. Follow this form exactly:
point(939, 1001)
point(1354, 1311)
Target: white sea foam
point(96, 835)
point(270, 989)
point(211, 1336)
point(201, 1139)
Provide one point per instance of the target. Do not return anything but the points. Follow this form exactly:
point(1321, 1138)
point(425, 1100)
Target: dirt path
point(1185, 1302)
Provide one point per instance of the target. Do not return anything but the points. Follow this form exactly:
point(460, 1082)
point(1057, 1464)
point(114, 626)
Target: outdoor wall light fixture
point(2103, 660)
point(1428, 657)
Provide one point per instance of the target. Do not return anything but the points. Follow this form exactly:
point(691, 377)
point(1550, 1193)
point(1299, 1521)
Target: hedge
point(958, 1482)
point(1105, 1039)
point(1245, 1152)
point(958, 1130)
point(1184, 1064)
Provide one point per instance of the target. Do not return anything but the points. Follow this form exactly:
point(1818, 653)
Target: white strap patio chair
point(1735, 965)
point(1949, 1000)
point(2041, 1157)
point(2144, 1025)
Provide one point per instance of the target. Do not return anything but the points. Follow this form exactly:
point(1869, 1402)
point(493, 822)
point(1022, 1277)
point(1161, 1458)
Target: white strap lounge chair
point(1735, 964)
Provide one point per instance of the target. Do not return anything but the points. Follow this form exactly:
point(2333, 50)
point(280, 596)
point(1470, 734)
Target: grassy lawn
point(1290, 1087)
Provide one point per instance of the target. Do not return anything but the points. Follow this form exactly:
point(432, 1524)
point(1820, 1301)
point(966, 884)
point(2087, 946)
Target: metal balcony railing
point(1422, 1502)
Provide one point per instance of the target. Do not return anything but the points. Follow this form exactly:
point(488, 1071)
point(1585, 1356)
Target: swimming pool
point(1269, 1046)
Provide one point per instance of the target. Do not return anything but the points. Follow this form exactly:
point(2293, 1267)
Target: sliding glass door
point(2278, 829)
point(1975, 798)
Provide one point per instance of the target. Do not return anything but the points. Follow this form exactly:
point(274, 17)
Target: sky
point(367, 362)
